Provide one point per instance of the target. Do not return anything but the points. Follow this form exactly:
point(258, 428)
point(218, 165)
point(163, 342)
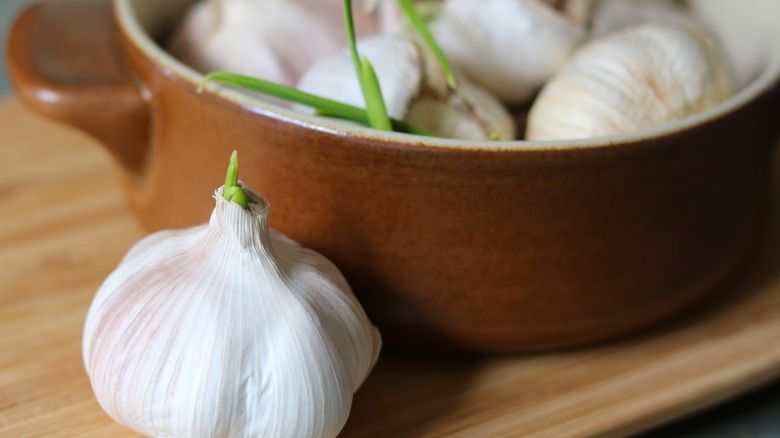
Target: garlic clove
point(276, 40)
point(632, 80)
point(509, 47)
point(227, 329)
point(414, 88)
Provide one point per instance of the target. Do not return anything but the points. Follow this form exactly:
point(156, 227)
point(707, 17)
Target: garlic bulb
point(276, 40)
point(640, 78)
point(414, 88)
point(228, 329)
point(509, 47)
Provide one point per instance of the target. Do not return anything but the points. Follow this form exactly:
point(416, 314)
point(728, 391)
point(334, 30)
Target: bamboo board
point(64, 226)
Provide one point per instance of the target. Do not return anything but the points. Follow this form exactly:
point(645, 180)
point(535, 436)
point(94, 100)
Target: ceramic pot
point(448, 244)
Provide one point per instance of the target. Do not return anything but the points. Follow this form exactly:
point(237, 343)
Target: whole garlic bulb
point(509, 47)
point(227, 329)
point(276, 40)
point(631, 80)
point(414, 88)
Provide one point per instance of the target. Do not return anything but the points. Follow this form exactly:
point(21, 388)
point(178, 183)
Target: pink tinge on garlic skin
point(275, 40)
point(228, 329)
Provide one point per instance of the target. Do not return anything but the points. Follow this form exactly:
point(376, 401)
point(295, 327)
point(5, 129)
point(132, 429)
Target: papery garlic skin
point(414, 89)
point(227, 329)
point(636, 79)
point(509, 47)
point(275, 40)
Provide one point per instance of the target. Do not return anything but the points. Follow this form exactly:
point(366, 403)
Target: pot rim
point(126, 18)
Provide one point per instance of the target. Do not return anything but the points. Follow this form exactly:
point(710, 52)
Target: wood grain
point(64, 226)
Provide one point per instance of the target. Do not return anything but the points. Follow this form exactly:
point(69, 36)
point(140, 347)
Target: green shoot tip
point(232, 192)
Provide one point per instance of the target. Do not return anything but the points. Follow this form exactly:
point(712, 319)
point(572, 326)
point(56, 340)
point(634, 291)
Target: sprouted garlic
point(227, 329)
point(505, 51)
point(276, 40)
point(415, 89)
point(374, 113)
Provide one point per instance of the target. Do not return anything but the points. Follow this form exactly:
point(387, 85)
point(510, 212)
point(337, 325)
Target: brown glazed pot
point(447, 244)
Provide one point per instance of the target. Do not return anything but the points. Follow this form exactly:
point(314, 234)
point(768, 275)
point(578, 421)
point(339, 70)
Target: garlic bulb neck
point(248, 231)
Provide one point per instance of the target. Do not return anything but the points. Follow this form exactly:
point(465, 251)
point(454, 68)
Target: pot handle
point(64, 61)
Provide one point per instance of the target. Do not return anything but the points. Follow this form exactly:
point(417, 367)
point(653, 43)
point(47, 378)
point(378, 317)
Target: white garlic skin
point(636, 79)
point(414, 89)
point(509, 47)
point(227, 330)
point(471, 113)
point(275, 40)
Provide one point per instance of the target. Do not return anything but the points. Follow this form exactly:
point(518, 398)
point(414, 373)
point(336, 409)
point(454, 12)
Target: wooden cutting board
point(64, 226)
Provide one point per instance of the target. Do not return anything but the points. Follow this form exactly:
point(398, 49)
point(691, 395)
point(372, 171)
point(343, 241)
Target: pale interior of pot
point(747, 29)
point(748, 33)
